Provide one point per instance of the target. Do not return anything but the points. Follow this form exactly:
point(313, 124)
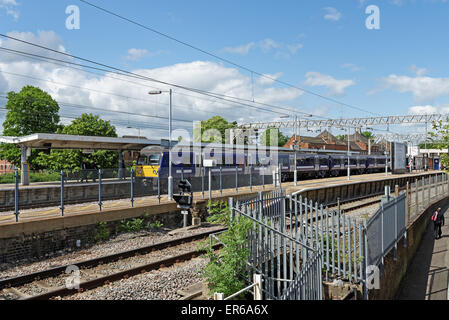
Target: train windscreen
point(153, 160)
point(142, 161)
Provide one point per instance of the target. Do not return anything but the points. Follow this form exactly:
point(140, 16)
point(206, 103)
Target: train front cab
point(148, 165)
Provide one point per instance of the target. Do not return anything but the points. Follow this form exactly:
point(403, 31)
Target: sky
point(323, 47)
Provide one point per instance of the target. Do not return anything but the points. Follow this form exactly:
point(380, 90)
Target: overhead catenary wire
point(120, 122)
point(138, 76)
point(127, 73)
point(224, 59)
point(68, 65)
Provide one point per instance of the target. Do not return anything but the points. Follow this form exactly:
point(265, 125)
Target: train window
point(311, 161)
point(154, 159)
point(284, 161)
point(323, 161)
point(353, 161)
point(141, 161)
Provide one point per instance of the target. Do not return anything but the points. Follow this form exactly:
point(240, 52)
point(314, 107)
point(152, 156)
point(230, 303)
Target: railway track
point(51, 283)
point(352, 205)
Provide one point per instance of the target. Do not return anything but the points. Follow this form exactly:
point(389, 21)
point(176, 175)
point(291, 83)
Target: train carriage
point(187, 162)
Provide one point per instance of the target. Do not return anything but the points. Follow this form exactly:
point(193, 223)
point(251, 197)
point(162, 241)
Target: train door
point(316, 163)
point(436, 164)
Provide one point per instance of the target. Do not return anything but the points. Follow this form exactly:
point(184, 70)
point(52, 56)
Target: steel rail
point(31, 277)
point(98, 282)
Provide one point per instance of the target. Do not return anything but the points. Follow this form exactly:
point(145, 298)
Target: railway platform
point(41, 231)
point(324, 190)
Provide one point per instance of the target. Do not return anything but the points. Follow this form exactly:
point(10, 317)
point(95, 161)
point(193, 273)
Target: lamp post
point(130, 127)
point(170, 177)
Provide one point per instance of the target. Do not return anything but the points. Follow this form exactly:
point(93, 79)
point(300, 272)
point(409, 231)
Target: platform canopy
point(64, 141)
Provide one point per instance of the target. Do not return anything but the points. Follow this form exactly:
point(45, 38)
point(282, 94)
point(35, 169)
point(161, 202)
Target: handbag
point(435, 216)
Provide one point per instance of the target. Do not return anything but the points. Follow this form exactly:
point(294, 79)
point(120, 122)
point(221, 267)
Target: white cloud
point(45, 38)
point(4, 88)
point(243, 49)
point(10, 7)
point(267, 45)
point(294, 48)
point(335, 87)
point(72, 86)
point(267, 81)
point(428, 109)
point(417, 71)
point(423, 88)
point(351, 67)
point(136, 54)
point(332, 14)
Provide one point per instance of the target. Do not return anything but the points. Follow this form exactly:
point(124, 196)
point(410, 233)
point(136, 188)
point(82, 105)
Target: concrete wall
point(35, 240)
point(329, 195)
point(43, 243)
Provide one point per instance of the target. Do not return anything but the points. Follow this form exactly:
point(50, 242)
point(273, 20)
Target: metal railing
point(132, 186)
point(276, 251)
point(385, 228)
point(424, 191)
point(257, 291)
point(340, 237)
point(295, 243)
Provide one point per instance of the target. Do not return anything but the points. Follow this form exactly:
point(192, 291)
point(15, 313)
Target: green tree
point(217, 123)
point(265, 138)
point(32, 110)
point(429, 145)
point(85, 125)
point(367, 134)
point(440, 139)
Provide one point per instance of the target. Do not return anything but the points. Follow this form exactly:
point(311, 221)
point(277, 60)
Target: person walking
point(84, 168)
point(95, 171)
point(438, 222)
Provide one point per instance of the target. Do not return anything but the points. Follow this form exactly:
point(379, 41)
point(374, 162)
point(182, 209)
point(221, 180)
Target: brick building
point(326, 141)
point(6, 167)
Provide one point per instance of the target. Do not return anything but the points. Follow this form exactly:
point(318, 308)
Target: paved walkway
point(428, 275)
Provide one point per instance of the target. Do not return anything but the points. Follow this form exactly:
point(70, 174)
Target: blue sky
point(321, 46)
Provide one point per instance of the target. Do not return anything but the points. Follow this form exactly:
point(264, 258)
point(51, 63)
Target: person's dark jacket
point(440, 218)
point(85, 166)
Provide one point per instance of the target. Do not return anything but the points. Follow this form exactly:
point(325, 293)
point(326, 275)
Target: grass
point(8, 178)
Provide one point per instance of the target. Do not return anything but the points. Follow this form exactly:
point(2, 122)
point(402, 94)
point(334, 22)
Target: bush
point(131, 225)
point(102, 232)
point(155, 225)
point(226, 269)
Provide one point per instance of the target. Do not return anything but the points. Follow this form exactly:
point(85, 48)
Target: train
point(187, 161)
